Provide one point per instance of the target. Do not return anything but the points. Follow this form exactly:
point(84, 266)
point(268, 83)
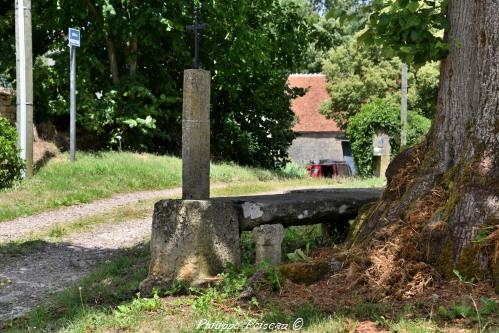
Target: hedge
point(379, 115)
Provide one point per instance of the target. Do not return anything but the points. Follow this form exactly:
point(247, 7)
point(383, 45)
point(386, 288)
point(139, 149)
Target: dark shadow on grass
point(47, 156)
point(12, 250)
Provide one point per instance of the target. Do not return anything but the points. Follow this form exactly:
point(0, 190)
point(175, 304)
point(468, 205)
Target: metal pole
point(403, 107)
point(24, 71)
point(72, 111)
point(29, 87)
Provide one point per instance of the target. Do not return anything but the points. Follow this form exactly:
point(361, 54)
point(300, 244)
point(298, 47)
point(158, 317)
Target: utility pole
point(24, 74)
point(403, 108)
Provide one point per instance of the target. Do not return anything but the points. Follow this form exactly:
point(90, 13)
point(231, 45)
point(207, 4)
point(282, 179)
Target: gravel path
point(28, 280)
point(23, 226)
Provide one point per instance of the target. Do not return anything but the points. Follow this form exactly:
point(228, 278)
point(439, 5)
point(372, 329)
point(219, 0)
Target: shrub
point(11, 164)
point(380, 115)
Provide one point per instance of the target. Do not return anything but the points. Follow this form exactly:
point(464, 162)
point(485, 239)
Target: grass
point(96, 176)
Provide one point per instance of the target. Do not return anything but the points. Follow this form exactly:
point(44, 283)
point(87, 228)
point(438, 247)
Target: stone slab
point(302, 207)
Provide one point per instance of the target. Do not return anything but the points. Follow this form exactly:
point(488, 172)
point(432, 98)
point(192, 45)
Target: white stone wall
point(316, 146)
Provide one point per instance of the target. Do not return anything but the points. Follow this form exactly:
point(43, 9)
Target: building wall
point(7, 110)
point(316, 146)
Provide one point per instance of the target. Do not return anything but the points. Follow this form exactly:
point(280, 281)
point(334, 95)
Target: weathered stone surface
point(268, 239)
point(302, 207)
point(196, 135)
point(306, 272)
point(192, 241)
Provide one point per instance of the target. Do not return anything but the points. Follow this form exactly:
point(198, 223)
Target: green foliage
point(11, 165)
point(358, 75)
point(379, 115)
point(126, 314)
point(410, 29)
point(299, 256)
point(457, 310)
point(293, 170)
point(131, 63)
point(489, 306)
point(344, 19)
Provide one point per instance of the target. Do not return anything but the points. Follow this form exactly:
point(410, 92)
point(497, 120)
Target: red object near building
point(329, 170)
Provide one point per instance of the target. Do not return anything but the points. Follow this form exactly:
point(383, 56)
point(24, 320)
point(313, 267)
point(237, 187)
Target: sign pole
point(74, 42)
point(72, 111)
point(403, 107)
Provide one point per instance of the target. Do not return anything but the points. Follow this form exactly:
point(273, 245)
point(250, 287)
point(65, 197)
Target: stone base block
point(192, 241)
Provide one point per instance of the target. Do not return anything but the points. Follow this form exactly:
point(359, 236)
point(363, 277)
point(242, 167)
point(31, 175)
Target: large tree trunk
point(441, 203)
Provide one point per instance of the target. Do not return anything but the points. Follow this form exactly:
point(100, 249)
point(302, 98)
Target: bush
point(380, 115)
point(11, 164)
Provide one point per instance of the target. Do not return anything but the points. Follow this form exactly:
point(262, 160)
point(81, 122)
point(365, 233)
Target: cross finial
point(196, 28)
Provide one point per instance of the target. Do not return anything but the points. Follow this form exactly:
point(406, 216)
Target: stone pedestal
point(268, 239)
point(196, 135)
point(192, 241)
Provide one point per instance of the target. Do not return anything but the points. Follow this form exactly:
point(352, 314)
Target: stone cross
point(196, 127)
point(196, 28)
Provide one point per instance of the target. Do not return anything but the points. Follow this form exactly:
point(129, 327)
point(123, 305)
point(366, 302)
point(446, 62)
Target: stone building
point(317, 138)
point(7, 109)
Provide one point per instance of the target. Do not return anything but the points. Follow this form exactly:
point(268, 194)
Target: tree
point(359, 74)
point(131, 62)
point(441, 204)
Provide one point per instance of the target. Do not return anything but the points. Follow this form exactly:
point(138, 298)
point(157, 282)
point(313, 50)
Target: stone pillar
point(196, 135)
point(381, 153)
point(192, 241)
point(268, 239)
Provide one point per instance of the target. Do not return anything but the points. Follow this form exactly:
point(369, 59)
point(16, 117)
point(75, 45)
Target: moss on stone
point(495, 275)
point(444, 261)
point(365, 213)
point(305, 272)
point(468, 264)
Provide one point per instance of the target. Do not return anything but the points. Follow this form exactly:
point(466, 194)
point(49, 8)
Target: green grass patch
point(96, 176)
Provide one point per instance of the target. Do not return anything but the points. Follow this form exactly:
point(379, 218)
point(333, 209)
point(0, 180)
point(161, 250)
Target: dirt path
point(30, 279)
point(21, 227)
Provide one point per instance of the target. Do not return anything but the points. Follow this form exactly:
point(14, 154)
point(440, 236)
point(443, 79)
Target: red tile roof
point(307, 107)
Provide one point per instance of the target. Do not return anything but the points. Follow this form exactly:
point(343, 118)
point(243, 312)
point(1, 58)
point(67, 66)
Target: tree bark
point(442, 196)
point(111, 51)
point(113, 62)
point(132, 56)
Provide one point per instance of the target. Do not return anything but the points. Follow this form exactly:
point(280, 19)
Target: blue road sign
point(74, 37)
